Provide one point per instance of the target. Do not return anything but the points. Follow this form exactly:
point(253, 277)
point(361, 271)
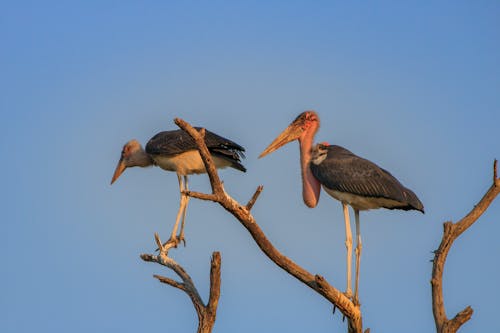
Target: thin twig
point(201, 196)
point(251, 202)
point(495, 178)
point(170, 281)
point(158, 242)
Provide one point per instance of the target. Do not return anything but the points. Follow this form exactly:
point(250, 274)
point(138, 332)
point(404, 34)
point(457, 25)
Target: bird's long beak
point(292, 132)
point(119, 170)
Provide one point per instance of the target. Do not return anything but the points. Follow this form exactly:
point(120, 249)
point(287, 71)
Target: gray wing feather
point(170, 143)
point(343, 171)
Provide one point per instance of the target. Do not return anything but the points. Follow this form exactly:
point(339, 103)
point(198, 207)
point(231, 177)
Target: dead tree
point(242, 213)
point(206, 313)
point(350, 310)
point(450, 234)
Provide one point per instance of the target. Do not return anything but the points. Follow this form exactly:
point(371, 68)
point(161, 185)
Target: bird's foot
point(182, 239)
point(354, 298)
point(173, 241)
point(176, 240)
point(348, 294)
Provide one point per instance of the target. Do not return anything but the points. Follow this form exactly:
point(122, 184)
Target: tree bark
point(450, 233)
point(206, 313)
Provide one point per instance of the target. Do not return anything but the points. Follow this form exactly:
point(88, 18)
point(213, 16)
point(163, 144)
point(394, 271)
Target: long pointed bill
point(292, 132)
point(119, 170)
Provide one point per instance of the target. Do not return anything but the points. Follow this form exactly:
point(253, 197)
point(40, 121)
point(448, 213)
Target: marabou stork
point(352, 180)
point(177, 151)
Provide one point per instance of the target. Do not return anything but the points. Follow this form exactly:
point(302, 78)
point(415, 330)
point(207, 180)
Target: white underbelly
point(187, 163)
point(363, 203)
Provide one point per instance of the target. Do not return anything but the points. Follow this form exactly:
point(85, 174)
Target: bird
point(350, 179)
point(177, 151)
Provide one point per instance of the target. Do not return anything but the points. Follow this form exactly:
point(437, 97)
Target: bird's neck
point(140, 158)
point(310, 185)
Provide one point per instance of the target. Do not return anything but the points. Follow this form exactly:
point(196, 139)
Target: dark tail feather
point(233, 156)
point(413, 201)
point(238, 166)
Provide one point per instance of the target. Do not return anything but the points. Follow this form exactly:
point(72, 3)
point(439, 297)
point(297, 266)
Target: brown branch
point(251, 202)
point(205, 155)
point(201, 196)
point(213, 299)
point(451, 232)
point(170, 282)
point(206, 313)
point(243, 215)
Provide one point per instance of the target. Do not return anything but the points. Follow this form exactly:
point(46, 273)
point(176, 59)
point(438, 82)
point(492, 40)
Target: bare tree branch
point(206, 313)
point(201, 196)
point(243, 215)
point(171, 282)
point(251, 202)
point(213, 299)
point(451, 232)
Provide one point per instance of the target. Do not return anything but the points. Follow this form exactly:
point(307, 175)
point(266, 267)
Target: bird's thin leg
point(181, 234)
point(358, 255)
point(348, 245)
point(173, 236)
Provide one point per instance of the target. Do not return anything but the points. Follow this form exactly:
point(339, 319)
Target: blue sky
point(411, 86)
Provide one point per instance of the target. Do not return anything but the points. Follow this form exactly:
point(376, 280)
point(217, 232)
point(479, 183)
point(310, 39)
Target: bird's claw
point(176, 240)
point(353, 298)
point(173, 241)
point(182, 239)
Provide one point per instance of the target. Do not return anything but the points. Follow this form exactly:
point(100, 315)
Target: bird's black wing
point(346, 172)
point(169, 143)
point(225, 148)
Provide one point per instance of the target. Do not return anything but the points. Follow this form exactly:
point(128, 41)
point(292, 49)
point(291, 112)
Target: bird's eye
point(310, 116)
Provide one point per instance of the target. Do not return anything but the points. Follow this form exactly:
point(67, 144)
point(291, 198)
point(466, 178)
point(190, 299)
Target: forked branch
point(206, 313)
point(450, 234)
point(242, 214)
